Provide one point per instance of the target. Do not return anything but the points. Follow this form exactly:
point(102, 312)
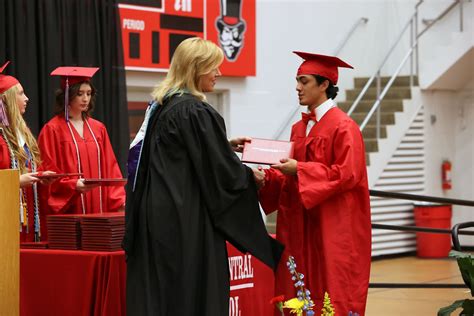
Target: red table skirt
point(64, 282)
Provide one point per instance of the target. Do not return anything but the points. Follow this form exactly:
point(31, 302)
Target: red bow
point(305, 117)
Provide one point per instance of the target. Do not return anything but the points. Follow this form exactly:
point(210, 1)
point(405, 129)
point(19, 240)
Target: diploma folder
point(107, 182)
point(267, 151)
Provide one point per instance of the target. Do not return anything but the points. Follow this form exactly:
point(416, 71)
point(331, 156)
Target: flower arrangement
point(302, 304)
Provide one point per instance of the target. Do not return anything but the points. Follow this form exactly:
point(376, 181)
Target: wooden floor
point(401, 302)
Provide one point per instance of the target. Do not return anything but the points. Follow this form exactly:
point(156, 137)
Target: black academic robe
point(192, 194)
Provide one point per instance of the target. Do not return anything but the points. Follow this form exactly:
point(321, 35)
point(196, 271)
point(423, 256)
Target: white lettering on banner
point(234, 309)
point(129, 24)
point(241, 286)
point(183, 5)
point(240, 267)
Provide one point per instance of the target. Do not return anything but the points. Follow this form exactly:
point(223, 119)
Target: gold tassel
point(25, 211)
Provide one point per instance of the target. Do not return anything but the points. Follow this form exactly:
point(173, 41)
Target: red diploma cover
point(106, 182)
point(267, 151)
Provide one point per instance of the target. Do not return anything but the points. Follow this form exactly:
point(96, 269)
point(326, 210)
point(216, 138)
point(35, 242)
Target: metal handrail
point(389, 53)
point(455, 232)
point(360, 21)
point(387, 87)
point(288, 120)
point(369, 82)
point(441, 16)
point(418, 198)
point(376, 105)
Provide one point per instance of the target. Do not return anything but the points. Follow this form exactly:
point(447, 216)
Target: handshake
point(237, 145)
point(259, 176)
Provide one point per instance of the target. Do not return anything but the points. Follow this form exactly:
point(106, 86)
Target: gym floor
point(402, 302)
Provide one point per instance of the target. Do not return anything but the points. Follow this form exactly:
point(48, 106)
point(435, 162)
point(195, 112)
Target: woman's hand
point(48, 180)
point(27, 179)
point(83, 188)
point(237, 144)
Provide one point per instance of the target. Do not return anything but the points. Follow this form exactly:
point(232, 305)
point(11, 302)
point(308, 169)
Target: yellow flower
point(296, 306)
point(328, 309)
point(294, 303)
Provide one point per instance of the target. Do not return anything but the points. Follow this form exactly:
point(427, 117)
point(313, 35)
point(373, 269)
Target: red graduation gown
point(59, 154)
point(324, 213)
point(5, 163)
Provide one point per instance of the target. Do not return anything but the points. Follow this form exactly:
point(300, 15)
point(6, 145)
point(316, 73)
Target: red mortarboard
point(6, 82)
point(70, 76)
point(322, 65)
point(74, 74)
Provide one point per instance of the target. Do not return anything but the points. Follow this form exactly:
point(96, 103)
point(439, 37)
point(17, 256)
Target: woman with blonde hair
point(19, 150)
point(189, 195)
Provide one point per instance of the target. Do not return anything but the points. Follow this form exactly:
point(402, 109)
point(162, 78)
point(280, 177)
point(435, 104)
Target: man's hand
point(237, 144)
point(259, 176)
point(286, 166)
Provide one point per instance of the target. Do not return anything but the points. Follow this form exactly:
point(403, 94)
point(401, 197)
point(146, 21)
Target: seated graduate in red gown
point(19, 150)
point(74, 142)
point(322, 195)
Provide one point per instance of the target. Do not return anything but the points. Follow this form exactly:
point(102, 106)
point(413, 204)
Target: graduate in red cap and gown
point(19, 150)
point(322, 195)
point(74, 142)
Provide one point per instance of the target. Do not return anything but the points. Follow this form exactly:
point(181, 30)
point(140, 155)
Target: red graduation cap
point(71, 76)
point(322, 65)
point(6, 82)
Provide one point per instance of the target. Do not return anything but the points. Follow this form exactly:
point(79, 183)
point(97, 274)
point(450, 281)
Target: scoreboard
point(152, 29)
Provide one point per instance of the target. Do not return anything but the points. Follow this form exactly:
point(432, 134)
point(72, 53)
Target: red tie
point(305, 117)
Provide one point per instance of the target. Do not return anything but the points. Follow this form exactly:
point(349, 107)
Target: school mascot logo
point(231, 28)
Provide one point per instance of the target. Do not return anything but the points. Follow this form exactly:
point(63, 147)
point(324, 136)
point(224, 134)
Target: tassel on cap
point(3, 114)
point(71, 76)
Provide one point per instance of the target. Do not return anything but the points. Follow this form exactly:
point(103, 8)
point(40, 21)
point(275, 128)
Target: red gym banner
point(152, 29)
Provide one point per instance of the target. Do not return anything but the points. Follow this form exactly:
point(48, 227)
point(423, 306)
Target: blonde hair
point(17, 123)
point(193, 58)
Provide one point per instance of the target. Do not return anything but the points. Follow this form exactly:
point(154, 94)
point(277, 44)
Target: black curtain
point(39, 35)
